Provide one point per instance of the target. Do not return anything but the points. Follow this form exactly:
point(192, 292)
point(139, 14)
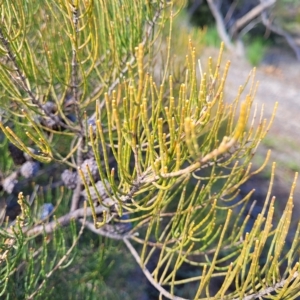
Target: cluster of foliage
point(135, 155)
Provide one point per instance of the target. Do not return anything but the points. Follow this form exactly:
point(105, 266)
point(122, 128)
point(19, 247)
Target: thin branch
point(102, 232)
point(148, 274)
point(249, 27)
point(197, 165)
point(164, 245)
point(195, 5)
point(252, 14)
point(22, 265)
point(76, 196)
point(12, 57)
point(23, 84)
point(74, 68)
point(75, 84)
point(62, 221)
point(62, 260)
point(148, 31)
point(281, 32)
point(270, 290)
point(230, 11)
point(76, 193)
point(221, 26)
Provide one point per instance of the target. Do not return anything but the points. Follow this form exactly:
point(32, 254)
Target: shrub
point(105, 141)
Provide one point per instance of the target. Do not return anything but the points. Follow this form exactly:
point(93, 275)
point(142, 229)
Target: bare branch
point(281, 32)
point(62, 221)
point(23, 84)
point(221, 26)
point(102, 232)
point(195, 5)
point(252, 14)
point(62, 260)
point(74, 66)
point(76, 192)
point(148, 274)
point(270, 289)
point(148, 31)
point(74, 84)
point(230, 11)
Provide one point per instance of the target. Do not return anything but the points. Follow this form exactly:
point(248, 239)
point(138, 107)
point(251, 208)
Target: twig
point(148, 274)
point(196, 166)
point(74, 84)
point(221, 26)
point(61, 261)
point(270, 289)
point(74, 68)
point(76, 192)
point(62, 221)
point(230, 11)
point(164, 245)
point(19, 268)
point(252, 14)
point(76, 195)
point(281, 32)
point(148, 32)
point(102, 232)
point(23, 84)
point(249, 27)
point(195, 5)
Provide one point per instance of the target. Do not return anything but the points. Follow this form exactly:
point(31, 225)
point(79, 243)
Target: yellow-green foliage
point(179, 152)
